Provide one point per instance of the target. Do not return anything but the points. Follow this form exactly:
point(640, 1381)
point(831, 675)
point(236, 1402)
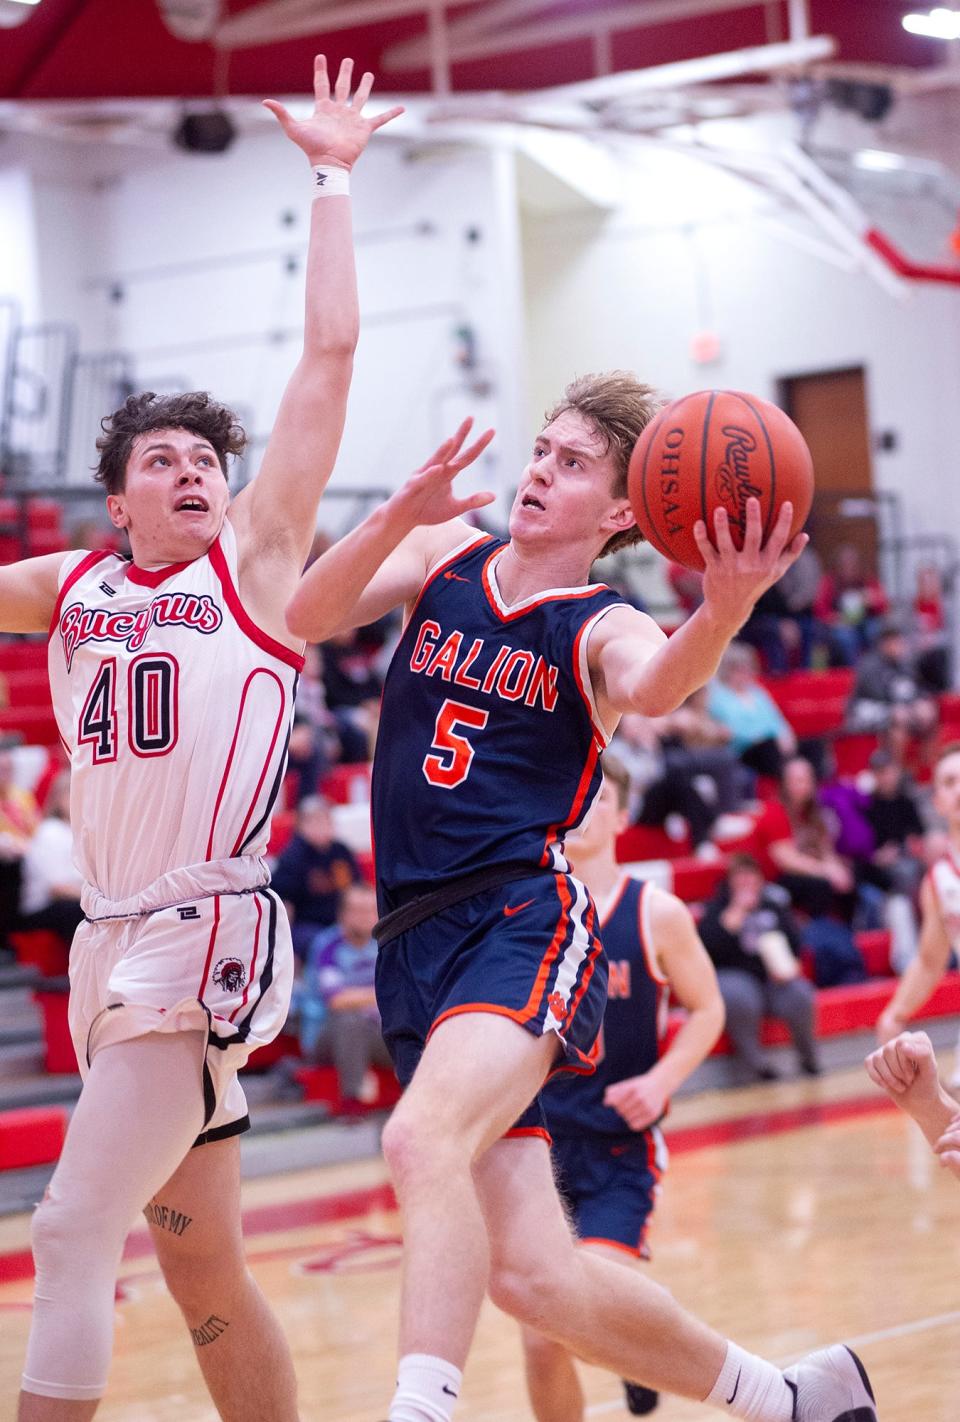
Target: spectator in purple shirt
point(338, 1008)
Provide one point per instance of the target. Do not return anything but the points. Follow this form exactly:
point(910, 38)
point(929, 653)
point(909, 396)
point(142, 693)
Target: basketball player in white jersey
point(173, 678)
point(940, 908)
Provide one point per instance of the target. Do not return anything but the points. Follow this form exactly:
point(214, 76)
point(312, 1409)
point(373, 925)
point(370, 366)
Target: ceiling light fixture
point(940, 23)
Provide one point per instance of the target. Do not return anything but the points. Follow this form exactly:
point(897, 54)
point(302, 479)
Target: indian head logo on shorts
point(230, 974)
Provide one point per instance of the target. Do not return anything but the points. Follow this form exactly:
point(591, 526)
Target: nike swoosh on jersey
point(455, 577)
point(510, 909)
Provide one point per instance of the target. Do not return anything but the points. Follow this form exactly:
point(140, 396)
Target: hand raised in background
point(336, 133)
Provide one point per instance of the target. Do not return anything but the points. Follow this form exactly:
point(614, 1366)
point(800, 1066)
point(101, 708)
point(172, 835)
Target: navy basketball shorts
point(528, 950)
point(609, 1186)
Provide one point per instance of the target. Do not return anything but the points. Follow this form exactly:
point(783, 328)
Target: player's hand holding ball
point(723, 482)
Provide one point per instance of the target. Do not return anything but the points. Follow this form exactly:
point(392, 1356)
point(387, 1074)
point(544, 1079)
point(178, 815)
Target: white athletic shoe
point(831, 1386)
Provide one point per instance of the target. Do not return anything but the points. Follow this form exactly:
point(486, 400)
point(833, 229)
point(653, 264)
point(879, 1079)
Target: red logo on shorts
point(557, 1006)
point(230, 974)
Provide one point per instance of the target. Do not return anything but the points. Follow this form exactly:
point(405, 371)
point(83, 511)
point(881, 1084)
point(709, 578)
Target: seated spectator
point(50, 897)
point(760, 734)
point(312, 873)
point(338, 1006)
point(898, 856)
point(353, 688)
point(886, 698)
point(660, 789)
point(849, 606)
point(753, 940)
point(931, 638)
point(314, 743)
point(697, 742)
point(798, 587)
point(796, 837)
point(19, 817)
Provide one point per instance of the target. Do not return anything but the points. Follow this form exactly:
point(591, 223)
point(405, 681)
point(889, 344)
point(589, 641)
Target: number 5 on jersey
point(450, 766)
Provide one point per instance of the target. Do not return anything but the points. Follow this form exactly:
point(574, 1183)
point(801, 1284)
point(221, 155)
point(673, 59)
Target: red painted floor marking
point(353, 1204)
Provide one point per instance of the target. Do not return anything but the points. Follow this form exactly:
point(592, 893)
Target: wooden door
point(830, 409)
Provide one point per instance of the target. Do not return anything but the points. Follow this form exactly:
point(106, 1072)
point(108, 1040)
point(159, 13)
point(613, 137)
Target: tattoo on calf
point(164, 1217)
point(208, 1332)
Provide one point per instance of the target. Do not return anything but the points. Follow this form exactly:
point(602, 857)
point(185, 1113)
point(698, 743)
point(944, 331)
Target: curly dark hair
point(195, 411)
point(619, 406)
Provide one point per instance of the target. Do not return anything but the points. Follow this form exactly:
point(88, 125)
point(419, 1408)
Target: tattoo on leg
point(165, 1217)
point(208, 1332)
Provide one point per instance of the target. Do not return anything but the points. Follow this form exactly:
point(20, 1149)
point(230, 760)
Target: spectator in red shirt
point(931, 637)
point(849, 604)
point(795, 845)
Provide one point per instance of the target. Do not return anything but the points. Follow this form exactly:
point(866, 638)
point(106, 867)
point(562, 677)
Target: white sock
point(427, 1388)
point(751, 1388)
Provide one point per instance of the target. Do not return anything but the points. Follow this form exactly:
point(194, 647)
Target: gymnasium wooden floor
point(792, 1215)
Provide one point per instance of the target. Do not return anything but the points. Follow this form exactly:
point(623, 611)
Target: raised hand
point(428, 496)
point(732, 579)
point(337, 132)
point(906, 1069)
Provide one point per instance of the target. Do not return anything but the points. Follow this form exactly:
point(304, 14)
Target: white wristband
point(330, 181)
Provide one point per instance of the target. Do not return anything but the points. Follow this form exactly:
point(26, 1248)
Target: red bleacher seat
point(320, 1084)
point(31, 1135)
point(346, 783)
point(281, 831)
point(285, 1044)
point(650, 842)
point(59, 1055)
point(874, 945)
point(853, 752)
point(38, 948)
point(695, 879)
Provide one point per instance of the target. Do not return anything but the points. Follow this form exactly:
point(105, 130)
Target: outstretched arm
point(28, 593)
point(923, 974)
point(906, 1069)
point(635, 670)
point(641, 1100)
point(384, 561)
point(275, 516)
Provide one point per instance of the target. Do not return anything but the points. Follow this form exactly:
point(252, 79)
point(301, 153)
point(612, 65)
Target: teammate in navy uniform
point(509, 678)
point(608, 1150)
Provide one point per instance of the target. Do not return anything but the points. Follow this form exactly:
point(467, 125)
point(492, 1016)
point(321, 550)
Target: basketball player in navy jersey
point(173, 677)
point(508, 680)
point(608, 1151)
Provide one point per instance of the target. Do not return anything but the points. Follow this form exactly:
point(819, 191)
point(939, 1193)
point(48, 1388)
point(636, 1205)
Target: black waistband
point(424, 906)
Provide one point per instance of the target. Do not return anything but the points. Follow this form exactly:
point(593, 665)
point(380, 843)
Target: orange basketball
point(716, 448)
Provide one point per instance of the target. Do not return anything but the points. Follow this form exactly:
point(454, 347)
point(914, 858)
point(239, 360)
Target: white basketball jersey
point(945, 878)
point(175, 709)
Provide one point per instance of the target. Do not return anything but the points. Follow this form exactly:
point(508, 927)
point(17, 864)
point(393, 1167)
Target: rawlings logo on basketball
point(79, 624)
point(230, 974)
point(733, 484)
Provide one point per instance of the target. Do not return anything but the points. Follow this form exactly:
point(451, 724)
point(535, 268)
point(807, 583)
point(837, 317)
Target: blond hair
point(619, 407)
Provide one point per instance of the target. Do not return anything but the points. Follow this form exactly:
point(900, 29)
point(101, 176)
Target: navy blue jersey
point(633, 1023)
point(489, 742)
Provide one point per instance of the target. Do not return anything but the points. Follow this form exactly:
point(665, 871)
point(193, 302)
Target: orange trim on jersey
point(634, 1253)
point(594, 953)
point(511, 615)
point(599, 731)
point(213, 939)
point(550, 957)
point(452, 557)
point(243, 619)
point(494, 1008)
point(153, 577)
point(656, 975)
point(578, 799)
point(516, 1132)
point(82, 567)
